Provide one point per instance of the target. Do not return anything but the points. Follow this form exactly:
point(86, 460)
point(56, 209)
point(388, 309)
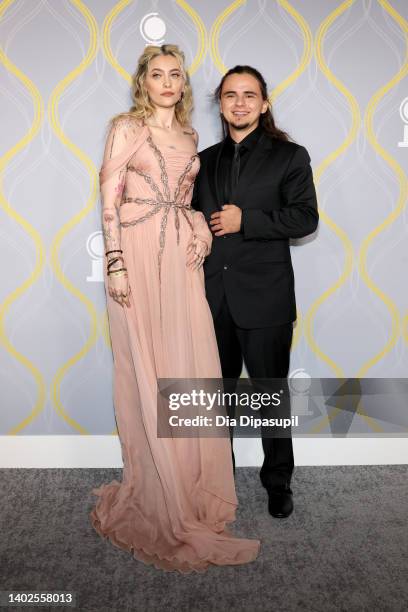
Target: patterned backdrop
point(337, 73)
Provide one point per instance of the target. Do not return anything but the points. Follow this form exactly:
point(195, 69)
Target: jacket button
point(225, 267)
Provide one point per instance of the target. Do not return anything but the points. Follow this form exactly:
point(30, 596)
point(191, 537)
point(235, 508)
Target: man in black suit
point(256, 191)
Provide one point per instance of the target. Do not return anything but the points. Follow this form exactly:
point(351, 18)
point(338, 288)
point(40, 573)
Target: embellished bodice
point(159, 181)
point(168, 172)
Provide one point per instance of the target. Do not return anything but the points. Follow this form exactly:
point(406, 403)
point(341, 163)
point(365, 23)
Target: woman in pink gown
point(176, 494)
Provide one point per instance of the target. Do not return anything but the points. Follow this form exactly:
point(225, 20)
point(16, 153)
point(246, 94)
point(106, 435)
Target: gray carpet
point(345, 547)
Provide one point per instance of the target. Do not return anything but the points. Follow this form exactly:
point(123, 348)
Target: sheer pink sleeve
point(201, 230)
point(112, 181)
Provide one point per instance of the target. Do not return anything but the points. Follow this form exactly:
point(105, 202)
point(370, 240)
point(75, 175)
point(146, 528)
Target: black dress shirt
point(247, 145)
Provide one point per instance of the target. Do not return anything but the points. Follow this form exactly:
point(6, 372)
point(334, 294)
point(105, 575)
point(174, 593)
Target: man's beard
point(240, 126)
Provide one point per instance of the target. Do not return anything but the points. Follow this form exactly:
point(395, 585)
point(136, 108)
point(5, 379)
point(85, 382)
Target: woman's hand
point(119, 289)
point(197, 251)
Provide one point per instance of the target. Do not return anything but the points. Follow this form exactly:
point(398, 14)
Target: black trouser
point(266, 353)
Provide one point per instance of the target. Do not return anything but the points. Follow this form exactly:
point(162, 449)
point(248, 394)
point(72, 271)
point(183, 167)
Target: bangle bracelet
point(114, 251)
point(118, 274)
point(114, 260)
point(118, 270)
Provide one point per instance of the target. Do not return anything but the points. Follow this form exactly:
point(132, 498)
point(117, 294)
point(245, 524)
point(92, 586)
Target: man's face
point(241, 101)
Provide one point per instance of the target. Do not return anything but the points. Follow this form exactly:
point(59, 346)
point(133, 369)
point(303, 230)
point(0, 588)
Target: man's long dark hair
point(266, 120)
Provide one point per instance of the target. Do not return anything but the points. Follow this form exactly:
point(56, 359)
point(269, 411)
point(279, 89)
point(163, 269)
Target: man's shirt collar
point(249, 142)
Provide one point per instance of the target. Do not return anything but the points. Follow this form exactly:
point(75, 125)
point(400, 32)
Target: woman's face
point(164, 81)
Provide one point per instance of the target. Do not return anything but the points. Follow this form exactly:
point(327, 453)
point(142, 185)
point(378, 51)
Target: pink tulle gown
point(177, 494)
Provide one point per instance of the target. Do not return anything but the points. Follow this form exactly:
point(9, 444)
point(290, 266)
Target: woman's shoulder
point(195, 135)
point(190, 131)
point(126, 125)
point(123, 131)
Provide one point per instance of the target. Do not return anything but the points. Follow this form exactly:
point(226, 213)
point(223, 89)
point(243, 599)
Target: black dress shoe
point(280, 503)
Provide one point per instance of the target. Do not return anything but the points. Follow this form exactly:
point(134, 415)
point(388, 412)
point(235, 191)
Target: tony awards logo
point(153, 29)
point(95, 248)
point(403, 111)
point(299, 384)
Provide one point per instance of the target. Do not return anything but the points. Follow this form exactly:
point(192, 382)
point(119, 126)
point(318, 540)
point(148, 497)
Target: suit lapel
point(249, 175)
point(213, 175)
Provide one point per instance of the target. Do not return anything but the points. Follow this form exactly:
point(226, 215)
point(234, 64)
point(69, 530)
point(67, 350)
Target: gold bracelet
point(115, 272)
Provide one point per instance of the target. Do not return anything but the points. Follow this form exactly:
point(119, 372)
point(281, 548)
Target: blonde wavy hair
point(142, 107)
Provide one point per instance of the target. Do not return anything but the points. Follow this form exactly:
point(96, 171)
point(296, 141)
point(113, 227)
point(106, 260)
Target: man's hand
point(226, 221)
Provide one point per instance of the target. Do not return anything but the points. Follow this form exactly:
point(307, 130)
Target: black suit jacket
point(278, 201)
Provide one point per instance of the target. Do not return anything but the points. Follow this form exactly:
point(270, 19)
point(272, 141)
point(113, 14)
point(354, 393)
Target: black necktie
point(235, 167)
